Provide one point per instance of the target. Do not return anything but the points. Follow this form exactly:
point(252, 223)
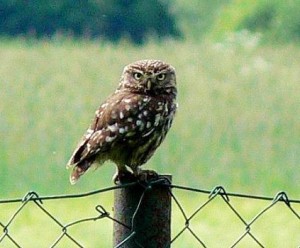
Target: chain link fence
point(189, 218)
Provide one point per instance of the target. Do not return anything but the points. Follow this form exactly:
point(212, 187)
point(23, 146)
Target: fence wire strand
point(101, 213)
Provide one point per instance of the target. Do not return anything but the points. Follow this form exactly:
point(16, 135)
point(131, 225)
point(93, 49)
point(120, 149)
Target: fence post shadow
point(145, 211)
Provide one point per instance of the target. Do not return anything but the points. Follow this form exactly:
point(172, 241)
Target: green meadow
point(238, 125)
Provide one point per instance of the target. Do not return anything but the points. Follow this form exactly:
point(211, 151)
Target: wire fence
point(189, 222)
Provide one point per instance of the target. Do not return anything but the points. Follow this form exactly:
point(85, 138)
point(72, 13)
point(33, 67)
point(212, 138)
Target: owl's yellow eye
point(137, 75)
point(161, 76)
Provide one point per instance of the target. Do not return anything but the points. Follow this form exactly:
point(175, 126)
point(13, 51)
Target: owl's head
point(153, 77)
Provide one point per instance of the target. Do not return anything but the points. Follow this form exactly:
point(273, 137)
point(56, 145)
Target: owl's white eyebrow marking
point(137, 70)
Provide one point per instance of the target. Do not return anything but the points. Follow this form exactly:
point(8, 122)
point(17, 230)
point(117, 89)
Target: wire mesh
point(187, 225)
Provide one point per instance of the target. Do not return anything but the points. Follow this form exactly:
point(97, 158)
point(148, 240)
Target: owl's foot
point(121, 177)
point(147, 175)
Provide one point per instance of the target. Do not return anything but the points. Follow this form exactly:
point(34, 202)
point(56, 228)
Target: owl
point(131, 124)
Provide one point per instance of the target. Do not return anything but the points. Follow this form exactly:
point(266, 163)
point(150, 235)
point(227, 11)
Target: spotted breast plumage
point(130, 125)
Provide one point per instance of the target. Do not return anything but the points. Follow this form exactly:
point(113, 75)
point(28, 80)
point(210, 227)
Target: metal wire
point(33, 199)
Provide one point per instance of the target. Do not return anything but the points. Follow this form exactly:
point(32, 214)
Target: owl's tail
point(79, 162)
point(78, 170)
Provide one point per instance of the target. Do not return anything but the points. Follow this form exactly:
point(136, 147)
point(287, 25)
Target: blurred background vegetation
point(138, 20)
point(238, 78)
point(238, 123)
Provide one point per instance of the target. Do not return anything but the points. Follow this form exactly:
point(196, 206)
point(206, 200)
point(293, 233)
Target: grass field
point(238, 123)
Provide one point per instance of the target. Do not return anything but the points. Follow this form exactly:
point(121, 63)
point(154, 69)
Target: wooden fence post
point(147, 213)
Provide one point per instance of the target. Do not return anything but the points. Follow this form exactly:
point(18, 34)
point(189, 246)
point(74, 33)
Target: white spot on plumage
point(127, 107)
point(145, 112)
point(113, 128)
point(97, 136)
point(114, 114)
point(138, 122)
point(98, 113)
point(160, 106)
point(148, 125)
point(142, 125)
point(104, 105)
point(121, 130)
point(89, 132)
point(157, 119)
point(110, 139)
point(88, 145)
point(129, 119)
point(121, 115)
point(127, 100)
point(166, 108)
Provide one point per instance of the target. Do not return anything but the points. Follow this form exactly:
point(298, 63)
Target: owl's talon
point(122, 177)
point(147, 175)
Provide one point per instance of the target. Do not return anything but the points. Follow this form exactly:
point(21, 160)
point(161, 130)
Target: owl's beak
point(149, 84)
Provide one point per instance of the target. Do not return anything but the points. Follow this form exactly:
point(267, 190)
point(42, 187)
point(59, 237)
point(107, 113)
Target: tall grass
point(237, 124)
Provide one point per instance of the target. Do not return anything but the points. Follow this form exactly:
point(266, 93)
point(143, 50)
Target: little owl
point(131, 123)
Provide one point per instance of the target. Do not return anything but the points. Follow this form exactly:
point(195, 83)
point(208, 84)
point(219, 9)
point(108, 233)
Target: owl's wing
point(121, 117)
